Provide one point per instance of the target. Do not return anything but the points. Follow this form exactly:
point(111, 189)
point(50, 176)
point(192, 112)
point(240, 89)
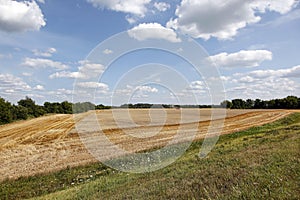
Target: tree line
point(289, 102)
point(27, 108)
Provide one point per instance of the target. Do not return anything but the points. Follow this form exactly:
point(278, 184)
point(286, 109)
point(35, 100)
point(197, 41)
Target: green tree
point(238, 104)
point(83, 107)
point(249, 104)
point(33, 109)
point(20, 113)
point(67, 107)
point(226, 104)
point(291, 102)
point(29, 104)
point(5, 112)
point(258, 104)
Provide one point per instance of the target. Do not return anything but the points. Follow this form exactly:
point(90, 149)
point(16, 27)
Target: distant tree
point(257, 103)
point(83, 107)
point(67, 107)
point(238, 104)
point(29, 104)
point(291, 102)
point(272, 104)
point(39, 111)
point(102, 107)
point(19, 113)
point(226, 104)
point(48, 107)
point(33, 109)
point(249, 104)
point(5, 112)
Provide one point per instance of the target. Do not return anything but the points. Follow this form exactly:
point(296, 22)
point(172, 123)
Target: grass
point(259, 163)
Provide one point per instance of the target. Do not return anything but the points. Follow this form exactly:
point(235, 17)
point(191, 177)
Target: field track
point(51, 143)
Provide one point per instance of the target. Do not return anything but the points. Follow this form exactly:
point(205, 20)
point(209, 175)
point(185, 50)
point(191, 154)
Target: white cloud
point(86, 70)
point(39, 87)
point(60, 95)
point(293, 72)
point(48, 53)
point(18, 16)
point(196, 86)
point(38, 63)
point(41, 1)
point(90, 70)
point(26, 74)
point(66, 74)
point(107, 51)
point(61, 91)
point(250, 58)
point(222, 19)
point(6, 56)
point(136, 7)
point(267, 88)
point(130, 19)
point(11, 84)
point(199, 85)
point(291, 16)
point(265, 84)
point(162, 6)
point(153, 31)
point(146, 88)
point(93, 85)
point(35, 96)
point(280, 6)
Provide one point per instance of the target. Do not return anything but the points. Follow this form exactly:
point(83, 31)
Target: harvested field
point(52, 143)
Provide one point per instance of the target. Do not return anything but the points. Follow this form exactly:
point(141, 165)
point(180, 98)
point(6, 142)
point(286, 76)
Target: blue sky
point(48, 50)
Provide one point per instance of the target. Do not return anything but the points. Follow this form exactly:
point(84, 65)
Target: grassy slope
point(260, 163)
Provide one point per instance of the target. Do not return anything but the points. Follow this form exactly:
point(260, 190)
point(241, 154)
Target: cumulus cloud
point(267, 88)
point(280, 6)
point(136, 7)
point(61, 91)
point(66, 74)
point(250, 58)
point(61, 94)
point(264, 84)
point(161, 6)
point(93, 85)
point(153, 31)
point(19, 16)
point(11, 84)
point(6, 56)
point(48, 53)
point(130, 19)
point(39, 87)
point(145, 88)
point(107, 51)
point(90, 70)
point(293, 72)
point(26, 74)
point(38, 63)
point(86, 70)
point(197, 85)
point(222, 19)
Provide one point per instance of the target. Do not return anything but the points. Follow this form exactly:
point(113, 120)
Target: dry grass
point(51, 143)
point(259, 163)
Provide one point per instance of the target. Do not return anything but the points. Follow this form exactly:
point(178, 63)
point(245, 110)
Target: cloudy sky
point(48, 49)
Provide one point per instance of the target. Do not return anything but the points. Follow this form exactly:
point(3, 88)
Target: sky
point(128, 51)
